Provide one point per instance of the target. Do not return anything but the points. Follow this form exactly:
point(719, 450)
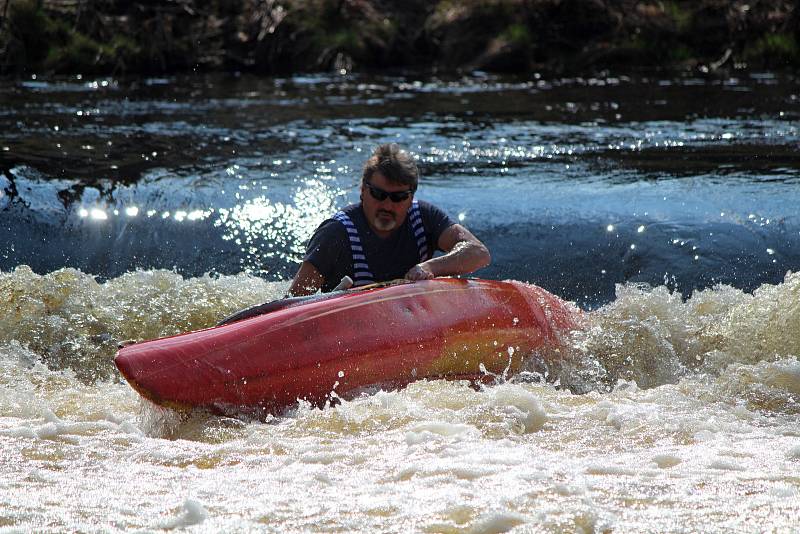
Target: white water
point(688, 423)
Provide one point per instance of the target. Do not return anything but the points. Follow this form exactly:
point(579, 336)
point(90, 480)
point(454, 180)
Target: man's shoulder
point(435, 214)
point(328, 229)
point(425, 204)
point(352, 211)
point(429, 207)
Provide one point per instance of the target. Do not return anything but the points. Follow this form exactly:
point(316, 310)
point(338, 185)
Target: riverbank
point(113, 37)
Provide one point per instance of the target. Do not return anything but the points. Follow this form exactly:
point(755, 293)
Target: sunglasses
point(380, 195)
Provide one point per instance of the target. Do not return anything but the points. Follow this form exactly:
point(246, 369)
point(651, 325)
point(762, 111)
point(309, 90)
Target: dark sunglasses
point(380, 195)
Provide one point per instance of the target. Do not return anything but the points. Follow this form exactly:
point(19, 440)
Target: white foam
point(469, 473)
point(726, 465)
point(130, 428)
point(434, 431)
point(610, 470)
point(19, 432)
point(58, 428)
point(665, 461)
point(784, 491)
point(323, 478)
point(522, 406)
point(49, 431)
point(325, 457)
point(496, 523)
point(589, 522)
point(703, 435)
point(37, 475)
point(783, 375)
point(407, 473)
point(568, 490)
point(192, 513)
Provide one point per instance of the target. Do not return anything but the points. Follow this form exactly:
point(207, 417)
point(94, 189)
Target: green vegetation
point(774, 49)
point(325, 30)
point(679, 15)
point(287, 36)
point(38, 41)
point(518, 35)
point(73, 54)
point(28, 30)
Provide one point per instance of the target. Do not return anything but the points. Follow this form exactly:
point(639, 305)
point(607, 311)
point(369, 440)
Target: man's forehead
point(383, 182)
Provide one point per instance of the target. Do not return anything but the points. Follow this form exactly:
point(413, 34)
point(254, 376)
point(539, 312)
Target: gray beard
point(384, 225)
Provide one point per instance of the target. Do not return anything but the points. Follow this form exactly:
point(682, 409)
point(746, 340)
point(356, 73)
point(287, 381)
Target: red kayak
point(384, 336)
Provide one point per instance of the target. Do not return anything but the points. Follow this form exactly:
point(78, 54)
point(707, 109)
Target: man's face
point(384, 216)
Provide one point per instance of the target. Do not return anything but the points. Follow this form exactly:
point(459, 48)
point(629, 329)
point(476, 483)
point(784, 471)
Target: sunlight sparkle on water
point(195, 215)
point(98, 214)
point(259, 221)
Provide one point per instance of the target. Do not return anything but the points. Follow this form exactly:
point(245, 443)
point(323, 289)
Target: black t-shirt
point(329, 248)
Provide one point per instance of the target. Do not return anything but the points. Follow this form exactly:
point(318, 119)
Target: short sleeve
point(435, 220)
point(328, 250)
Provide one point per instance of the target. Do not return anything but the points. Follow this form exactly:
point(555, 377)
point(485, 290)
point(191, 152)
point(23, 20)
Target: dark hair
point(394, 163)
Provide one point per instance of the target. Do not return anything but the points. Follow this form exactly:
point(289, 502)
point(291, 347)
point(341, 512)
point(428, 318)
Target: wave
point(747, 343)
point(69, 320)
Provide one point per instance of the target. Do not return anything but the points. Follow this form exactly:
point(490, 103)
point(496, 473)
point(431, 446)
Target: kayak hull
point(381, 337)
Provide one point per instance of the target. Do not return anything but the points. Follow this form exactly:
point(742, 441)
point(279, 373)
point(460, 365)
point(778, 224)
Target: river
point(665, 205)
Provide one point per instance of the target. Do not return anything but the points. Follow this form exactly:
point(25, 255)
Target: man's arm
point(307, 281)
point(464, 253)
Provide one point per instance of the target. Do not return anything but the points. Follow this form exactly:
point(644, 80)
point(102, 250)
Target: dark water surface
point(574, 184)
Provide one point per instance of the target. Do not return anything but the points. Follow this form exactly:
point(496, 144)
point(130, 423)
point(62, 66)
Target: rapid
point(664, 206)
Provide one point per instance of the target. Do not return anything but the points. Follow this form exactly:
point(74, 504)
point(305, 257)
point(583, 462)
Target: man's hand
point(419, 272)
point(463, 255)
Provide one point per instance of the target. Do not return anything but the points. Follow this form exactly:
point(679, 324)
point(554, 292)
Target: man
point(388, 235)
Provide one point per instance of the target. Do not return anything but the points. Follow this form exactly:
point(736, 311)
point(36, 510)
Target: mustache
point(387, 212)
